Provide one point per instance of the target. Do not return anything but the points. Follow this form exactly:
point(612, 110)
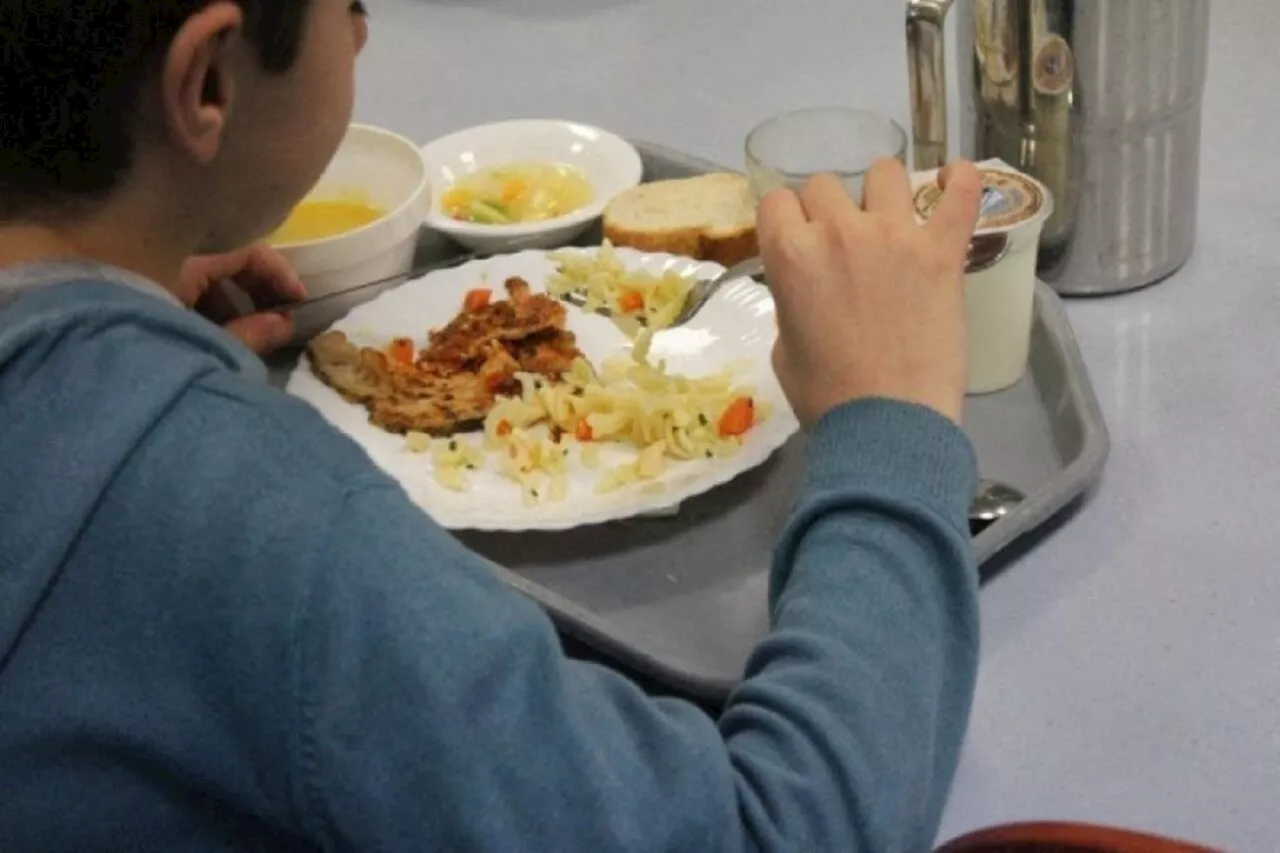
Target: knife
point(419, 270)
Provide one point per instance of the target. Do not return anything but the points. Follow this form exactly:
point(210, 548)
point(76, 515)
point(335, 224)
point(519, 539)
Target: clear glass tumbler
point(789, 148)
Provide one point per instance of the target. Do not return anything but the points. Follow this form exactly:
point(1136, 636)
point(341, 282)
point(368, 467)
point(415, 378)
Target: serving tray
point(680, 600)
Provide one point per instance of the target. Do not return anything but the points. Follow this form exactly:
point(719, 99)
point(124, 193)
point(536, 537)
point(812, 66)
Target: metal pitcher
point(1099, 100)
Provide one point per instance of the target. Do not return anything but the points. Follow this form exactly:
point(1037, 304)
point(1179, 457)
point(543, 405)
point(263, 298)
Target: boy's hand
point(259, 272)
point(870, 304)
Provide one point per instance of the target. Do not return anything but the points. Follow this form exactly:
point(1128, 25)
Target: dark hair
point(71, 72)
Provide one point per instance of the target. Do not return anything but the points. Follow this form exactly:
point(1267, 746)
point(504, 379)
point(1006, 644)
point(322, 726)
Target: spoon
point(992, 502)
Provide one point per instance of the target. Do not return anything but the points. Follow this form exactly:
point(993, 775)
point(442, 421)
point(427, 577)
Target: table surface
point(1131, 658)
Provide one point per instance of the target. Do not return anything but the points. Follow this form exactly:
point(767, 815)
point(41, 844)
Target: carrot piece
point(401, 350)
point(738, 417)
point(583, 431)
point(631, 301)
point(476, 299)
point(504, 428)
point(512, 190)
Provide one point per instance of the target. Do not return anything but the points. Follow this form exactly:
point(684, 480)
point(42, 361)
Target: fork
point(698, 295)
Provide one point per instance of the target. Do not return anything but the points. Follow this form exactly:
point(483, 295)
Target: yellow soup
point(524, 192)
point(316, 220)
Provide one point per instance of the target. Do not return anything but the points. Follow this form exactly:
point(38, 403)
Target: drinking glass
point(789, 148)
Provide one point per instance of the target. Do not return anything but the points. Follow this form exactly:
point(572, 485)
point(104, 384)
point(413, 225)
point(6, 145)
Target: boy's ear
point(197, 83)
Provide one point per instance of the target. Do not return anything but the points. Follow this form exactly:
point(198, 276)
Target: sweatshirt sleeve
point(437, 711)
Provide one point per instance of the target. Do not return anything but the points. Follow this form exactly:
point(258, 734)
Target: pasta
point(451, 458)
point(537, 463)
point(636, 299)
point(634, 403)
point(661, 416)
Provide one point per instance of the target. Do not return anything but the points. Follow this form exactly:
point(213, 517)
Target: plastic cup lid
point(1009, 199)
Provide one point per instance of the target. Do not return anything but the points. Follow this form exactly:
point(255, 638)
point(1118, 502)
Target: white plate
point(737, 326)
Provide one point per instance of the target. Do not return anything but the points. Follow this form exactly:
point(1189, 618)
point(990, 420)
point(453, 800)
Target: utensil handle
point(927, 72)
point(420, 270)
point(750, 268)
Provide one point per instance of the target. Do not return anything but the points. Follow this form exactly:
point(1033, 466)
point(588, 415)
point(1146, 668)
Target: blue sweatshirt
point(222, 627)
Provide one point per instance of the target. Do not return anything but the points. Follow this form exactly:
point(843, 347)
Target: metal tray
point(680, 600)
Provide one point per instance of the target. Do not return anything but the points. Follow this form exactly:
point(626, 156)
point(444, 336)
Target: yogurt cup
point(1000, 279)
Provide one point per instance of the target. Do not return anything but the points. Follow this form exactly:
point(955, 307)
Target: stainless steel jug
point(1099, 100)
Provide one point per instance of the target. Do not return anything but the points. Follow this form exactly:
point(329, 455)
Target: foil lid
point(1009, 198)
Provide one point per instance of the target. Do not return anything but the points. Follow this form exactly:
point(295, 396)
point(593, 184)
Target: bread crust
point(725, 249)
point(723, 246)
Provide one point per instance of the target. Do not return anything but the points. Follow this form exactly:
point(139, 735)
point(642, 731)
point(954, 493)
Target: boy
point(222, 627)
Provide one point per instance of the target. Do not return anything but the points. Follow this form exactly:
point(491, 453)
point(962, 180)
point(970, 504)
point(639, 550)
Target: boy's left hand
point(259, 272)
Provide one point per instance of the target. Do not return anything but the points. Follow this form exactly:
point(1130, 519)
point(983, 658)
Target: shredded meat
point(453, 383)
point(467, 336)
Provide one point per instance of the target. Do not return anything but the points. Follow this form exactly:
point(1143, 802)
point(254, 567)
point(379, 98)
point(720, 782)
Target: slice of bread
point(710, 218)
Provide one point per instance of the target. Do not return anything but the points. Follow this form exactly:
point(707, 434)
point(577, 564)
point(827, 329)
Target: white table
point(1131, 662)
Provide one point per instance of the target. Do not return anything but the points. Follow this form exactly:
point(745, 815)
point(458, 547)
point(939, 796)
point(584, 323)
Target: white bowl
point(388, 171)
point(608, 161)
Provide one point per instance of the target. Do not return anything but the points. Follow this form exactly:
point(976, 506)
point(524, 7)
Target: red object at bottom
point(1059, 837)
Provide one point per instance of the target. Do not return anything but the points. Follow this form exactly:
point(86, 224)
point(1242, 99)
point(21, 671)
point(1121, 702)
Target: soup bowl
point(385, 171)
point(608, 162)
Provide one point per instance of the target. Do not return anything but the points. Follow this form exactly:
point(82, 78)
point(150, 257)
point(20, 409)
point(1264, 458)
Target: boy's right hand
point(870, 303)
point(263, 276)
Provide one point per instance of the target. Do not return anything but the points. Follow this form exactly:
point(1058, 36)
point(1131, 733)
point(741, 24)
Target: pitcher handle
point(926, 69)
